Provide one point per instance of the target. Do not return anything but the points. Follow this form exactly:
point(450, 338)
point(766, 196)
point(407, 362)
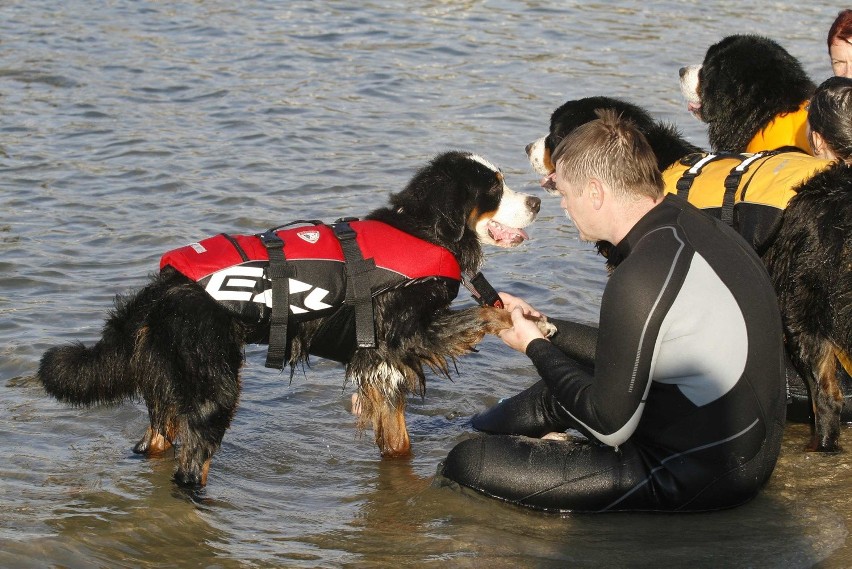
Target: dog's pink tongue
point(505, 235)
point(693, 107)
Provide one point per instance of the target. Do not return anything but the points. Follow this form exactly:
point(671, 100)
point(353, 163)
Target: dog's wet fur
point(181, 351)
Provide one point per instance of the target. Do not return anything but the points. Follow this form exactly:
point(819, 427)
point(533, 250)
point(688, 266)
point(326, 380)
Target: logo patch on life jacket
point(240, 283)
point(198, 247)
point(311, 236)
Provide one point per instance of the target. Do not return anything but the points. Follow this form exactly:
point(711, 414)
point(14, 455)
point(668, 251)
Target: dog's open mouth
point(506, 236)
point(694, 108)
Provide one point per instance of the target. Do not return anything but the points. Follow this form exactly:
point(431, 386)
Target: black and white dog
point(751, 93)
point(178, 342)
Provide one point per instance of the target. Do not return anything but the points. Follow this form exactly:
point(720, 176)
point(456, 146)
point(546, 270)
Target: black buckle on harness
point(732, 183)
point(279, 273)
point(482, 291)
point(695, 162)
point(358, 290)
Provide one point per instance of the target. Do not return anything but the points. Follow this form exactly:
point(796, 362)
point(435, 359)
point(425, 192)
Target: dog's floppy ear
point(449, 228)
point(448, 209)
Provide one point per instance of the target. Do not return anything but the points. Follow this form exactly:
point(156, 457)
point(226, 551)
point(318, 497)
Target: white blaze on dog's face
point(539, 157)
point(540, 160)
point(504, 227)
point(689, 89)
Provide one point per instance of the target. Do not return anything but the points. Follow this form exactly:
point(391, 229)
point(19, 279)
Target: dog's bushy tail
point(87, 375)
point(105, 372)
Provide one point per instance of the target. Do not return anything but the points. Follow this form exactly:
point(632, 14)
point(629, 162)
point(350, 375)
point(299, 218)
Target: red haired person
point(840, 44)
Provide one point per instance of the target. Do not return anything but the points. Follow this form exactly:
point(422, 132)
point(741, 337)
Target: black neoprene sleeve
point(577, 341)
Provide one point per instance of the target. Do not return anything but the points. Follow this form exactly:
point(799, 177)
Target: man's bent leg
point(533, 412)
point(552, 475)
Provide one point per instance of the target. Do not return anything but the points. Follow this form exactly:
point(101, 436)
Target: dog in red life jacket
point(374, 294)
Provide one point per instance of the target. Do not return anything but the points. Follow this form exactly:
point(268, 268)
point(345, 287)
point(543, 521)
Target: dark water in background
point(130, 128)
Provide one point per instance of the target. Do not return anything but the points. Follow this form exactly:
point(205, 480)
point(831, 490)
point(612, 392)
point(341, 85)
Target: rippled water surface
point(130, 128)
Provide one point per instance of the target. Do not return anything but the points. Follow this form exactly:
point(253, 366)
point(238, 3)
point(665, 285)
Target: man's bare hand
point(511, 302)
point(523, 331)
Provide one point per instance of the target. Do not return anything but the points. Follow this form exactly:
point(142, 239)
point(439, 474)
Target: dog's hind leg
point(194, 359)
point(845, 360)
point(157, 440)
point(152, 443)
point(156, 376)
point(826, 397)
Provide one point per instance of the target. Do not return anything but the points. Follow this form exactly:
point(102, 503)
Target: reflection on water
point(132, 128)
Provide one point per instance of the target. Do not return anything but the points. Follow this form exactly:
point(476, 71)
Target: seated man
point(680, 390)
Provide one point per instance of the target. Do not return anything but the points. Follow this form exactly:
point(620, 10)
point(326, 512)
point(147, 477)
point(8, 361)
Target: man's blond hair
point(611, 149)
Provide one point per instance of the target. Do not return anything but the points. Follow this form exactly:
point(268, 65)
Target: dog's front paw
point(546, 327)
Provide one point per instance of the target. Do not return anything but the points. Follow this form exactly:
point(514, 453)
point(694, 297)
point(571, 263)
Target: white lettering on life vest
point(238, 283)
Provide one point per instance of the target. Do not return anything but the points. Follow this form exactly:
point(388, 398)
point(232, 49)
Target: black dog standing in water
point(178, 342)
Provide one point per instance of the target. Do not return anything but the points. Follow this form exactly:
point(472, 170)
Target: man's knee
point(532, 412)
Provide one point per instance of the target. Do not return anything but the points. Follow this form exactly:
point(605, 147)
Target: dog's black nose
point(534, 203)
point(528, 147)
point(681, 71)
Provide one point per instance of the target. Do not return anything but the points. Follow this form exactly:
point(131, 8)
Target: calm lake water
point(130, 128)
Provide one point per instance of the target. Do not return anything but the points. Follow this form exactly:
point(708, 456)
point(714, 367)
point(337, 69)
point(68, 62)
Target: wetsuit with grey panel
point(680, 390)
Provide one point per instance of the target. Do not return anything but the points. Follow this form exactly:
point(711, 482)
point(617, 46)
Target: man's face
point(841, 57)
point(576, 204)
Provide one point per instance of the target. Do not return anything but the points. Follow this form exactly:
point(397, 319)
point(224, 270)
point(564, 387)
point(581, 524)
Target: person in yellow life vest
point(830, 119)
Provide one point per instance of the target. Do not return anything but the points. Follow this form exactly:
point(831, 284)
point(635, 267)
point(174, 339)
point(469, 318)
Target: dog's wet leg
point(154, 442)
point(202, 426)
point(462, 330)
point(155, 375)
point(201, 436)
point(828, 404)
point(389, 428)
point(160, 434)
point(457, 332)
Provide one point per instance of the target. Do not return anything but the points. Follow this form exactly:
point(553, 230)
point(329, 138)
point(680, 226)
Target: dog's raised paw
point(546, 327)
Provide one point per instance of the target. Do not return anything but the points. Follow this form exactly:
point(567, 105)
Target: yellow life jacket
point(747, 191)
point(786, 129)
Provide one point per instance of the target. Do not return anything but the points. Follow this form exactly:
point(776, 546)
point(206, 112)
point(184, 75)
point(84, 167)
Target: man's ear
point(597, 192)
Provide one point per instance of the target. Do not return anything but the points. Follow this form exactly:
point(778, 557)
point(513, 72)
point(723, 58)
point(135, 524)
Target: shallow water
point(130, 128)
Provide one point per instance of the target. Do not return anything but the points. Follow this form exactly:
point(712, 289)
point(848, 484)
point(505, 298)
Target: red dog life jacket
point(234, 269)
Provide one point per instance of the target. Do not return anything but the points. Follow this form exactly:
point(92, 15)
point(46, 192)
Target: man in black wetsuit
point(680, 390)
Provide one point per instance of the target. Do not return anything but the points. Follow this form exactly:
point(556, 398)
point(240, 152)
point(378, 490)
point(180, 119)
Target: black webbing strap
point(279, 273)
point(732, 182)
point(696, 162)
point(358, 291)
point(482, 291)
